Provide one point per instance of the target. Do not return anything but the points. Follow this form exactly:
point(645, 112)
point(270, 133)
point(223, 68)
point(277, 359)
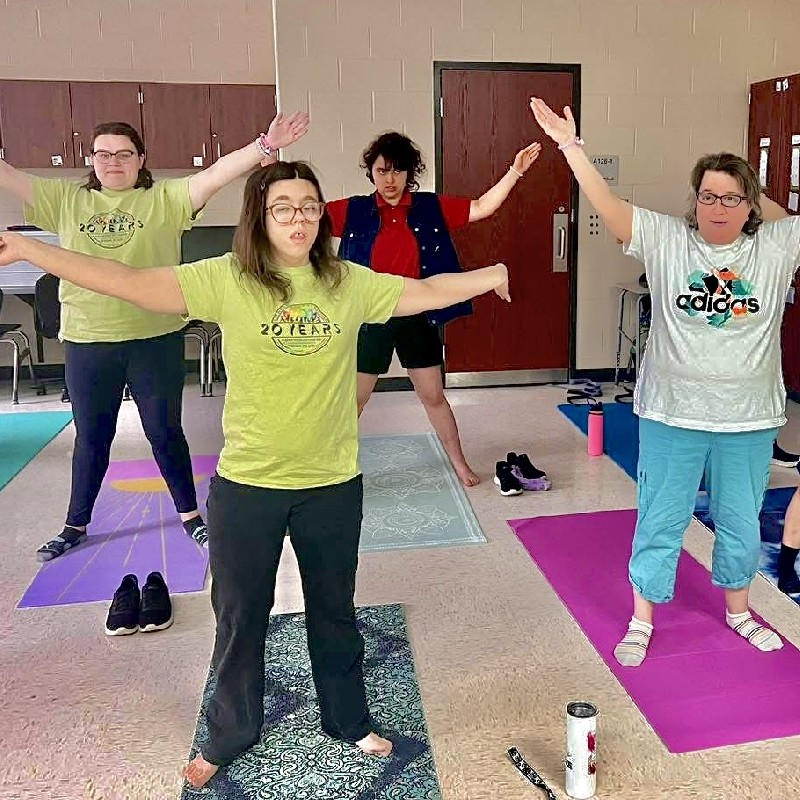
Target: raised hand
point(284, 131)
point(526, 157)
point(11, 245)
point(560, 129)
point(503, 291)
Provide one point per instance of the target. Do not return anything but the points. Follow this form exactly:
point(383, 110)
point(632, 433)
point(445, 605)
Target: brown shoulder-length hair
point(738, 168)
point(251, 244)
point(145, 178)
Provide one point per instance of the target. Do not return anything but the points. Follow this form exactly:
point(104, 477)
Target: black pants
point(96, 375)
point(246, 526)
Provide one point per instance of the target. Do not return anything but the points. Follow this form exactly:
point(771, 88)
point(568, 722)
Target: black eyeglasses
point(284, 213)
point(727, 200)
point(103, 156)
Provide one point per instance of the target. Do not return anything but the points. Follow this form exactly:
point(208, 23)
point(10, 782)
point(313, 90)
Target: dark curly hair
point(399, 152)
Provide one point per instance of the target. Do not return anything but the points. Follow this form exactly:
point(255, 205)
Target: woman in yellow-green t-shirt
point(120, 212)
point(290, 312)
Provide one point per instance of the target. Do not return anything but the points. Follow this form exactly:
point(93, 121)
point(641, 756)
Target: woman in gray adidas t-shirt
point(710, 395)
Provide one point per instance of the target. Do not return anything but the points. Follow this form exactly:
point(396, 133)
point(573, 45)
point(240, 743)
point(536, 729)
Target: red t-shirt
point(396, 251)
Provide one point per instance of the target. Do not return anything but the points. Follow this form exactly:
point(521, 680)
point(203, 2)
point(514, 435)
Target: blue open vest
point(437, 253)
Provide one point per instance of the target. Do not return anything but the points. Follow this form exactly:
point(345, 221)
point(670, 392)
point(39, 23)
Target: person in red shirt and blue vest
point(402, 231)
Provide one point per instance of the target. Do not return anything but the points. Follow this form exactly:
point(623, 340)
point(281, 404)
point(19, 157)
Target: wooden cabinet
point(765, 140)
point(774, 151)
point(184, 126)
point(35, 123)
point(238, 113)
point(177, 125)
point(94, 103)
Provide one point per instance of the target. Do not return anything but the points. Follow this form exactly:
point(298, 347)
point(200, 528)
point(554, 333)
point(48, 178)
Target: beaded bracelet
point(513, 169)
point(576, 141)
point(264, 147)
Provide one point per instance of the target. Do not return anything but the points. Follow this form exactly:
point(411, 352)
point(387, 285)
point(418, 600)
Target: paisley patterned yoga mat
point(295, 760)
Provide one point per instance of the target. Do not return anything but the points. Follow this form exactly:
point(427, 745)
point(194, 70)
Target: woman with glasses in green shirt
point(120, 211)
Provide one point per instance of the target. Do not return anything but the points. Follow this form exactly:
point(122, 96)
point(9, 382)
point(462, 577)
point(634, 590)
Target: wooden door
point(239, 112)
point(485, 120)
point(177, 125)
point(766, 146)
point(97, 102)
point(35, 124)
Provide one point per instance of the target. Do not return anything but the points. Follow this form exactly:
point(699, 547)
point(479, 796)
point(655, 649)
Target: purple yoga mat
point(134, 529)
point(696, 667)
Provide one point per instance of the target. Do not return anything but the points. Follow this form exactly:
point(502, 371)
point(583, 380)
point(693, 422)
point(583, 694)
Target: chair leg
point(202, 367)
point(15, 375)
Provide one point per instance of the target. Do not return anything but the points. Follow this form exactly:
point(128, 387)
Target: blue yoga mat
point(621, 440)
point(620, 431)
point(23, 435)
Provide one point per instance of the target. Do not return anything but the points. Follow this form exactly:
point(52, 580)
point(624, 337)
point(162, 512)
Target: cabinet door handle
point(219, 152)
point(562, 243)
point(204, 151)
point(80, 148)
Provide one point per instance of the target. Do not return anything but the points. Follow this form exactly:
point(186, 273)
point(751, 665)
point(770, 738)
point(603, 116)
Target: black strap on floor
point(529, 772)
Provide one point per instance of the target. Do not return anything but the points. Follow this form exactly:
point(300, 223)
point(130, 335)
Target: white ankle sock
point(759, 636)
point(630, 652)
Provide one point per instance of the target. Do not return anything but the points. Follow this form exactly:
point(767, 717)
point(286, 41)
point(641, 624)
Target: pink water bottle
point(596, 429)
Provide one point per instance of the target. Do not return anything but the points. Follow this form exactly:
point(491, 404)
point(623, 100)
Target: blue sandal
point(66, 540)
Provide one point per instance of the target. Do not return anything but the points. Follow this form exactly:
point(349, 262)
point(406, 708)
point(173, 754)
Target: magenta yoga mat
point(691, 685)
point(134, 528)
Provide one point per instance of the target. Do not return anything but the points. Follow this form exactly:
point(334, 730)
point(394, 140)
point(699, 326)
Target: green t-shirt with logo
point(290, 418)
point(140, 227)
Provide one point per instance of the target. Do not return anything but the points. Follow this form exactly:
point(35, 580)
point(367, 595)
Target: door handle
point(560, 223)
point(219, 151)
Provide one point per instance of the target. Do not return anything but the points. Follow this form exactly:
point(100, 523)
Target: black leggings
point(247, 526)
point(96, 375)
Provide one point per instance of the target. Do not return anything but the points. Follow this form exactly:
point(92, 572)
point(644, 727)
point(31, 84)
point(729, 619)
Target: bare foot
point(467, 477)
point(199, 772)
point(374, 745)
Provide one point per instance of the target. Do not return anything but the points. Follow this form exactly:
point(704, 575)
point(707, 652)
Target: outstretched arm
point(154, 289)
point(770, 210)
point(17, 182)
point(492, 199)
point(283, 131)
point(441, 291)
point(616, 213)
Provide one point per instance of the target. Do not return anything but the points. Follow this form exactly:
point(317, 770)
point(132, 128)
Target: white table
point(20, 279)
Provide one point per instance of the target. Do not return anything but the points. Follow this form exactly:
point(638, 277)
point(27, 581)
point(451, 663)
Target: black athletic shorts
point(418, 344)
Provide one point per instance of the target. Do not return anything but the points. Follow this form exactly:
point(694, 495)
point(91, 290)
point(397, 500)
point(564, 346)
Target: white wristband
point(576, 141)
point(513, 169)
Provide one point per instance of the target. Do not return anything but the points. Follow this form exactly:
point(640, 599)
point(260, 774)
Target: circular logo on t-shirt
point(301, 329)
point(111, 229)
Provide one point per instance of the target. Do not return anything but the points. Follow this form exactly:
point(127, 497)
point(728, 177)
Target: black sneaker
point(531, 478)
point(155, 612)
point(198, 531)
point(123, 616)
point(780, 458)
point(66, 540)
point(508, 482)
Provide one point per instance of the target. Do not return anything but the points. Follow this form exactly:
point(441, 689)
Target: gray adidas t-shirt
point(713, 357)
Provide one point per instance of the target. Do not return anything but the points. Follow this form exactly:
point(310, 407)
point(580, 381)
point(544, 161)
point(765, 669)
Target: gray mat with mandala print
point(412, 496)
point(296, 761)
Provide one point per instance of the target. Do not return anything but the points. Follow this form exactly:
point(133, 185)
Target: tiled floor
point(497, 655)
